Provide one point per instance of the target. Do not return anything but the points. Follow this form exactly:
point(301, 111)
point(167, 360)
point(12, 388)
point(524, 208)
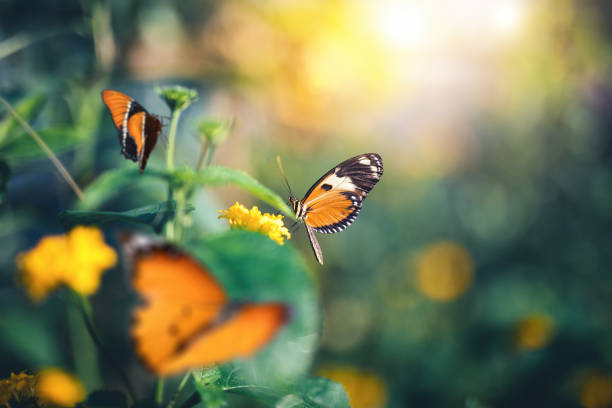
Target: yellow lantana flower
point(18, 388)
point(76, 259)
point(238, 216)
point(59, 388)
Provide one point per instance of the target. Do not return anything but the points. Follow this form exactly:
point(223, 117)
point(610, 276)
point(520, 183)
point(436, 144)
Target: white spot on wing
point(365, 161)
point(125, 121)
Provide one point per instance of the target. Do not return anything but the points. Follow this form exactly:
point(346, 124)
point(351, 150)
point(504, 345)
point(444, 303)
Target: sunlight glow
point(421, 24)
point(507, 16)
point(401, 24)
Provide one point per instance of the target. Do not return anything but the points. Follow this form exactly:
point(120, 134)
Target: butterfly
point(138, 129)
point(334, 201)
point(186, 320)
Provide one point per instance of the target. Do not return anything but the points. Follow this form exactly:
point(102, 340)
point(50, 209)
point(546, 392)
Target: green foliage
point(253, 268)
point(155, 215)
point(223, 176)
point(474, 403)
point(10, 129)
point(106, 399)
point(26, 335)
point(110, 183)
point(5, 174)
point(23, 147)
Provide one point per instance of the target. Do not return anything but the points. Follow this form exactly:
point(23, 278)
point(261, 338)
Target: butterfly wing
point(137, 129)
point(248, 328)
point(334, 201)
point(143, 130)
point(184, 321)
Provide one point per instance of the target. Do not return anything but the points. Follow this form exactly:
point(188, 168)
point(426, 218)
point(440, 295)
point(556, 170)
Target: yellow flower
point(59, 388)
point(534, 332)
point(444, 271)
point(76, 259)
point(238, 216)
point(364, 389)
point(17, 388)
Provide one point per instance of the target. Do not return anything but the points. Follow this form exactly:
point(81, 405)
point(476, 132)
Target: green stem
point(211, 151)
point(159, 391)
point(176, 114)
point(60, 167)
point(88, 319)
point(178, 390)
point(203, 152)
point(180, 213)
point(169, 224)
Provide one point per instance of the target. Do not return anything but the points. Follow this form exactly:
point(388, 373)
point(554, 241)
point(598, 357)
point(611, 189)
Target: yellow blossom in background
point(238, 216)
point(444, 271)
point(59, 388)
point(364, 389)
point(76, 259)
point(596, 391)
point(534, 332)
point(18, 388)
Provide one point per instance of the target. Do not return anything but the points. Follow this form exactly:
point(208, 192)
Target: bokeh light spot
point(534, 332)
point(444, 271)
point(596, 391)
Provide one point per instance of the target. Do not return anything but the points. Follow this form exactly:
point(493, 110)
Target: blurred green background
point(478, 269)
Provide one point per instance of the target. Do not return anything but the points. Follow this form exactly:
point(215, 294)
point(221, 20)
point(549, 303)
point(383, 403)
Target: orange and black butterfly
point(138, 129)
point(186, 320)
point(334, 201)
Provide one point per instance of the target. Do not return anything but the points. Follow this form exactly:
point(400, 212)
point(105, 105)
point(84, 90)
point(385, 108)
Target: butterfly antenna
point(294, 227)
point(280, 166)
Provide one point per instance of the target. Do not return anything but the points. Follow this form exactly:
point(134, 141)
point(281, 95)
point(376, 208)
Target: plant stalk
point(178, 390)
point(159, 391)
point(60, 167)
point(176, 114)
point(88, 319)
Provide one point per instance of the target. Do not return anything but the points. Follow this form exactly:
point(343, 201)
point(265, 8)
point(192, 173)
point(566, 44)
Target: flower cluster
point(17, 389)
point(238, 216)
point(76, 259)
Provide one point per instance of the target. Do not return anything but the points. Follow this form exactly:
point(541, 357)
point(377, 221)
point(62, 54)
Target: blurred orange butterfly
point(186, 320)
point(138, 129)
point(334, 201)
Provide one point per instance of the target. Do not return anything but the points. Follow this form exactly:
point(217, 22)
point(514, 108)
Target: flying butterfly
point(186, 320)
point(334, 201)
point(138, 129)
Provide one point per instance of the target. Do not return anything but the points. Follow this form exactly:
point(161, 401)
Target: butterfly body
point(137, 129)
point(186, 320)
point(334, 201)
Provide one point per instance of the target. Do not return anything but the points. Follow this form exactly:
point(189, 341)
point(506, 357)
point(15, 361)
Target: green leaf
point(26, 335)
point(110, 183)
point(154, 215)
point(316, 392)
point(322, 392)
point(253, 268)
point(59, 139)
point(5, 174)
point(106, 399)
point(28, 108)
point(474, 403)
point(220, 176)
